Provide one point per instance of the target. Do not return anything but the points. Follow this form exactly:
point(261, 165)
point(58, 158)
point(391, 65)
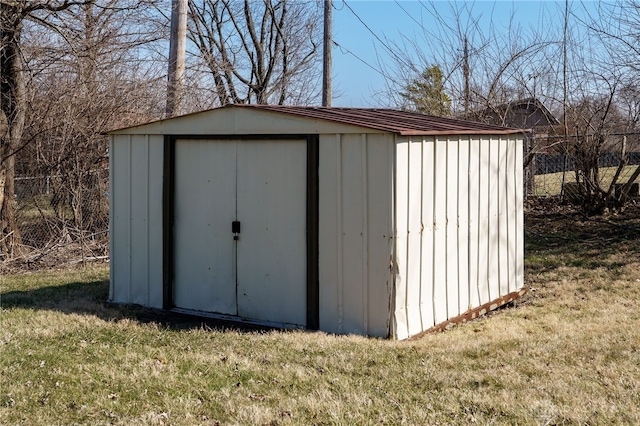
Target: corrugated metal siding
point(464, 284)
point(459, 226)
point(355, 243)
point(136, 219)
point(519, 214)
point(413, 230)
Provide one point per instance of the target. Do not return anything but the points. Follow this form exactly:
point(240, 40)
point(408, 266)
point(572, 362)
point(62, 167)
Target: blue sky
point(354, 81)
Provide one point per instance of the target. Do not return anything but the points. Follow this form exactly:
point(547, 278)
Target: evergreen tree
point(426, 94)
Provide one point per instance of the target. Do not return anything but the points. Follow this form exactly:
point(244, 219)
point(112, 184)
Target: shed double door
point(261, 185)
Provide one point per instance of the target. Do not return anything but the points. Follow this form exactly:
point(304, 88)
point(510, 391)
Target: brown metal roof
point(389, 120)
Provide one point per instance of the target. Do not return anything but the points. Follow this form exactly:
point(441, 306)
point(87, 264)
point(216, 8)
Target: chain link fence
point(552, 175)
point(62, 220)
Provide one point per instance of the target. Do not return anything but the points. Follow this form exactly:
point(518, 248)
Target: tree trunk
point(12, 116)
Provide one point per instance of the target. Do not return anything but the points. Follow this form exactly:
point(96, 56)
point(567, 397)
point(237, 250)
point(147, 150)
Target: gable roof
point(389, 120)
point(385, 120)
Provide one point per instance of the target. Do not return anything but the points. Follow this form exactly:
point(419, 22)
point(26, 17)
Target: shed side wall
point(459, 226)
point(355, 233)
point(136, 219)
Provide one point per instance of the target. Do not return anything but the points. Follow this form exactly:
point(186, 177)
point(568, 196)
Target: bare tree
point(13, 14)
point(609, 103)
point(103, 82)
point(258, 52)
point(594, 120)
point(617, 25)
point(582, 69)
point(484, 65)
point(73, 75)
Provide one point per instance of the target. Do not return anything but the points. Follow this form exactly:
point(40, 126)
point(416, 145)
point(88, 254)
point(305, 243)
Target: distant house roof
point(386, 120)
point(523, 113)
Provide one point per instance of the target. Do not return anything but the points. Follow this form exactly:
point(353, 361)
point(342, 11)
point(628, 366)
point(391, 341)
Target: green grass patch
point(568, 353)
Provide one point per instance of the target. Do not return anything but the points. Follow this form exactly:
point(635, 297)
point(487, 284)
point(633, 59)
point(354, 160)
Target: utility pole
point(465, 72)
point(326, 62)
point(177, 47)
point(565, 98)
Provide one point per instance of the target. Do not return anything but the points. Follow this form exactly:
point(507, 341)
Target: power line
point(344, 51)
point(411, 16)
point(347, 51)
point(366, 26)
point(389, 49)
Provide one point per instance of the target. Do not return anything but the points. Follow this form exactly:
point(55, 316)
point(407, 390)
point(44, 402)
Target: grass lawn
point(567, 353)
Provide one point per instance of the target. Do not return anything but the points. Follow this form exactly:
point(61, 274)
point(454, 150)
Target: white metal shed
point(365, 221)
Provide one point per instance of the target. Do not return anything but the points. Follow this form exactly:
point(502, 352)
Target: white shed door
point(262, 185)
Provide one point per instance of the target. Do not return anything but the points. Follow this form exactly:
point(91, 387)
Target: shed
point(347, 220)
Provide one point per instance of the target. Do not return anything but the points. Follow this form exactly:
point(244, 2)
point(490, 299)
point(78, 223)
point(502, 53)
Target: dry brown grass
point(568, 353)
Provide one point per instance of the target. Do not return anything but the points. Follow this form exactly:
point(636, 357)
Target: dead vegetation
point(567, 353)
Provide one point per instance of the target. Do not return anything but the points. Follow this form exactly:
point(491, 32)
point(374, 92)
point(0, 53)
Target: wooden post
point(177, 47)
point(326, 62)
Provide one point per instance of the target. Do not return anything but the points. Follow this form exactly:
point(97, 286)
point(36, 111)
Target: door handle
point(235, 228)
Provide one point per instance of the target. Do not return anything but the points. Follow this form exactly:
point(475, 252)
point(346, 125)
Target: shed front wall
point(459, 226)
point(355, 233)
point(355, 228)
point(135, 215)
